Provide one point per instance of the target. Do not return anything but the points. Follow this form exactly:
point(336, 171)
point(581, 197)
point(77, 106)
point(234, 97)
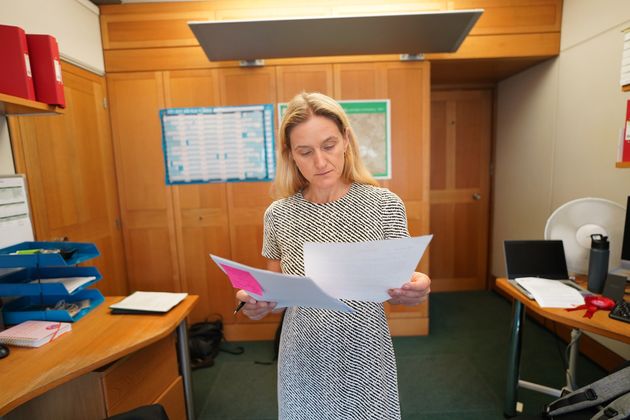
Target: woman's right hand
point(254, 309)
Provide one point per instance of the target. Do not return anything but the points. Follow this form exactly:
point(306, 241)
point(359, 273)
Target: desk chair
point(146, 412)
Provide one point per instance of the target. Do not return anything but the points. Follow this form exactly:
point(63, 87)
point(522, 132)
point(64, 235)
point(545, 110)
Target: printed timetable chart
point(218, 144)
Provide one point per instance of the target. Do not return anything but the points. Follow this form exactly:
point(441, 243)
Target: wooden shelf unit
point(14, 105)
point(622, 165)
point(625, 88)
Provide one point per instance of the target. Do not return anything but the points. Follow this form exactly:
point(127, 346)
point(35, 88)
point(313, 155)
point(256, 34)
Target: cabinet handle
point(476, 196)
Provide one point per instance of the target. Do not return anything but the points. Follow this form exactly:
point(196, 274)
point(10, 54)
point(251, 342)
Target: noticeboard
point(218, 144)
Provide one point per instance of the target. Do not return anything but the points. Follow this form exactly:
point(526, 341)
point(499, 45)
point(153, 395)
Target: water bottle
point(598, 262)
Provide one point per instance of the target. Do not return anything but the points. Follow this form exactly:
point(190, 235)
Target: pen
point(239, 307)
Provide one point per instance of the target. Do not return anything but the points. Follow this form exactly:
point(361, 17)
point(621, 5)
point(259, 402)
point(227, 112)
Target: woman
point(331, 365)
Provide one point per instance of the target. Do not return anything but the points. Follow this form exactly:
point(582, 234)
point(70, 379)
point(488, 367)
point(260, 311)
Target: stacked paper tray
point(29, 307)
point(76, 253)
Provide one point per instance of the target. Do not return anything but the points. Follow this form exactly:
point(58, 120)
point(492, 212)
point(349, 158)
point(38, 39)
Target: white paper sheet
point(149, 302)
point(551, 293)
point(363, 270)
point(284, 289)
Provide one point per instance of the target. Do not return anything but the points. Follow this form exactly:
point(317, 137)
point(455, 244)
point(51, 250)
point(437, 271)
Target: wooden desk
point(600, 324)
point(94, 342)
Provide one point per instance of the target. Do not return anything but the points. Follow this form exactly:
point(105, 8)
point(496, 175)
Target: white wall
point(75, 25)
point(558, 128)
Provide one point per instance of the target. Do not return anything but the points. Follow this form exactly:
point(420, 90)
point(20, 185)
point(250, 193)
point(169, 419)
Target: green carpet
point(457, 372)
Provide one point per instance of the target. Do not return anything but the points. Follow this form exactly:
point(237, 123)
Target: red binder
point(44, 53)
point(15, 70)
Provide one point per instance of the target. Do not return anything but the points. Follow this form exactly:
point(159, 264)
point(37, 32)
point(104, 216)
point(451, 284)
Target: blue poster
point(218, 144)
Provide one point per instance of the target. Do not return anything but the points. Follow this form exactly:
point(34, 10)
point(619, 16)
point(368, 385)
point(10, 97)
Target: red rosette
point(593, 303)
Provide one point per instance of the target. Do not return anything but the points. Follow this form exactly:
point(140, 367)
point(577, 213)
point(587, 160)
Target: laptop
point(537, 258)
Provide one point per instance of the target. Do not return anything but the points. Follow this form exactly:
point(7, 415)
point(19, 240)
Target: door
point(145, 200)
point(461, 123)
point(68, 162)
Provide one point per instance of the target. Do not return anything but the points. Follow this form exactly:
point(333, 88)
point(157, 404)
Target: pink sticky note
point(242, 279)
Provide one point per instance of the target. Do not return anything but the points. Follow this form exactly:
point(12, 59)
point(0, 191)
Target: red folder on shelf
point(44, 53)
point(15, 70)
point(625, 147)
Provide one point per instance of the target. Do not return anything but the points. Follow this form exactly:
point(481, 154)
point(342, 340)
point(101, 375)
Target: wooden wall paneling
point(148, 27)
point(309, 78)
point(68, 161)
point(407, 86)
point(145, 200)
point(201, 211)
point(514, 16)
point(247, 201)
point(460, 188)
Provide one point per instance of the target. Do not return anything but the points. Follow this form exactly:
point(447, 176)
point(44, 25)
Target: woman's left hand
point(414, 292)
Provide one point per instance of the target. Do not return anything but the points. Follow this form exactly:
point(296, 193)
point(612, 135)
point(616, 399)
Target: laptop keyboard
point(621, 311)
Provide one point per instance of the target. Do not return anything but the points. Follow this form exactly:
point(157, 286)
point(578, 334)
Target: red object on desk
point(593, 303)
point(15, 70)
point(44, 53)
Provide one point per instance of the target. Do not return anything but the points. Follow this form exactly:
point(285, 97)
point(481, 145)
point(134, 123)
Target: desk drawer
point(173, 400)
point(141, 378)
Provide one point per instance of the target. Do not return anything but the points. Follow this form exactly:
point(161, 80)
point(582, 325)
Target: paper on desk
point(284, 289)
point(551, 293)
point(148, 302)
point(363, 270)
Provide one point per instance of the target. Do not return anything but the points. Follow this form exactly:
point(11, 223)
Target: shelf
point(622, 165)
point(625, 88)
point(14, 105)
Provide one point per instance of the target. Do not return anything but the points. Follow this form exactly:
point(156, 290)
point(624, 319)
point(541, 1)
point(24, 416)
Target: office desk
point(600, 324)
point(95, 342)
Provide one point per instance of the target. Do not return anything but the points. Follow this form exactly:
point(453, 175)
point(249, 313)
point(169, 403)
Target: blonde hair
point(303, 106)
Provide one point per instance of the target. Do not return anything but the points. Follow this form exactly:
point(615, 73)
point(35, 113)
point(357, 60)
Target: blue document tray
point(30, 307)
point(20, 282)
point(71, 253)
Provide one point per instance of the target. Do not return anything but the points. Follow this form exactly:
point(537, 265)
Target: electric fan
point(574, 223)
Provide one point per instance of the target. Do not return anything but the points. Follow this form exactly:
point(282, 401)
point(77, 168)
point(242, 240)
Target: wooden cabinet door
point(68, 162)
point(145, 200)
point(247, 201)
point(407, 86)
point(460, 188)
point(201, 211)
point(309, 78)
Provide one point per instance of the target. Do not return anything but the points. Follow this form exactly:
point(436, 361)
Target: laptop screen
point(535, 258)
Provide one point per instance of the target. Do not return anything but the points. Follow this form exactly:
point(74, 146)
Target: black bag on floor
point(204, 342)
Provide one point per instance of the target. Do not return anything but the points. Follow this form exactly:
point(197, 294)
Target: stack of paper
point(353, 271)
point(34, 333)
point(148, 302)
point(551, 293)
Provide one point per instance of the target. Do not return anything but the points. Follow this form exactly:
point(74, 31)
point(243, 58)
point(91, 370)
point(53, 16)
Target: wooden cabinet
point(188, 222)
point(407, 87)
point(68, 162)
point(146, 203)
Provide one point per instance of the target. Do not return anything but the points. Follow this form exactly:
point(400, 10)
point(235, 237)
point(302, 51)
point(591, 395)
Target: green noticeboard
point(370, 121)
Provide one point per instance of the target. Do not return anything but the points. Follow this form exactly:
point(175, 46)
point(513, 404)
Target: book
point(34, 333)
point(147, 302)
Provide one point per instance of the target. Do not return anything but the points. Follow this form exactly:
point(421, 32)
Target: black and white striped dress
point(334, 365)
